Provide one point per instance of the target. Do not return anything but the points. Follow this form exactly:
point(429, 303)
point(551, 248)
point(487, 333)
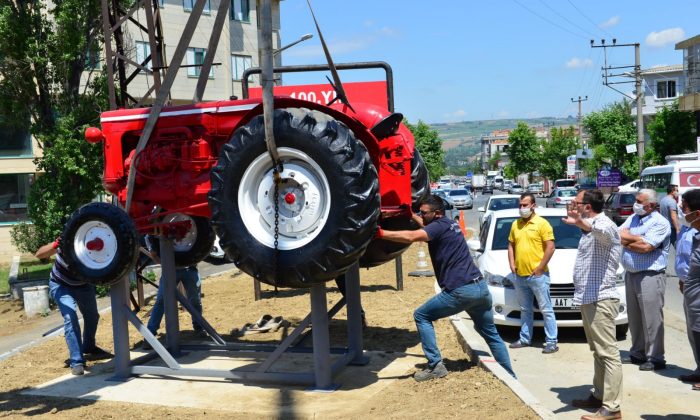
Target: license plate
point(563, 303)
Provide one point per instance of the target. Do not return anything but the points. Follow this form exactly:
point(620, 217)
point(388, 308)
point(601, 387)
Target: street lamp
point(303, 38)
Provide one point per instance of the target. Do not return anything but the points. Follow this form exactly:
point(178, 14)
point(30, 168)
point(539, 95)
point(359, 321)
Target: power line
point(565, 18)
point(549, 21)
point(589, 19)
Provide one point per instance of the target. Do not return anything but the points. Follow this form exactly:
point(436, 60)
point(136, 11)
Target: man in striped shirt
point(595, 272)
point(645, 237)
point(71, 295)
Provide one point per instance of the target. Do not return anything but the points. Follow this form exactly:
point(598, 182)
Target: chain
point(277, 180)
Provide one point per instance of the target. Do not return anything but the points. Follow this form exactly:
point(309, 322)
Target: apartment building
point(235, 53)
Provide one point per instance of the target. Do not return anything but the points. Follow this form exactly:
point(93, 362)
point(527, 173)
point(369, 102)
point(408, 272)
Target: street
point(558, 378)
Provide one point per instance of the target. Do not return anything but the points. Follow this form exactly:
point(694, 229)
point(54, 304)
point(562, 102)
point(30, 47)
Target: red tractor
point(343, 171)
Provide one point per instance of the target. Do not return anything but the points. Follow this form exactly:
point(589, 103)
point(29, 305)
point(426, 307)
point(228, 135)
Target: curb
point(478, 351)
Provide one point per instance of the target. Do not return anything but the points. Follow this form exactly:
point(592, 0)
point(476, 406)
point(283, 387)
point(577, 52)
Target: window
point(92, 57)
point(239, 64)
point(240, 10)
point(187, 5)
point(14, 189)
point(161, 3)
point(666, 89)
point(196, 56)
point(143, 50)
point(14, 142)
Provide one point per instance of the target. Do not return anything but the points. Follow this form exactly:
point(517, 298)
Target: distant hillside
point(467, 133)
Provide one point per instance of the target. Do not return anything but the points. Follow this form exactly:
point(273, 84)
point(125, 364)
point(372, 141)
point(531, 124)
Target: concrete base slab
point(358, 383)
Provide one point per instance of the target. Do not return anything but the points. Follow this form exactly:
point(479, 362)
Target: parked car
point(498, 202)
point(490, 252)
point(618, 206)
point(561, 197)
point(441, 193)
point(460, 199)
point(488, 189)
point(633, 186)
point(536, 189)
point(516, 189)
point(563, 183)
point(587, 184)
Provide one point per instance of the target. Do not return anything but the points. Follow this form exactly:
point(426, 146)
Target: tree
point(672, 132)
point(44, 49)
point(554, 152)
point(493, 162)
point(611, 129)
point(430, 148)
point(524, 149)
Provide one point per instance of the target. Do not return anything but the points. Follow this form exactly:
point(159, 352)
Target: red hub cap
point(95, 245)
point(290, 198)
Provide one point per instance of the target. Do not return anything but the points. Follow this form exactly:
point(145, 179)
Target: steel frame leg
point(119, 294)
point(354, 306)
point(323, 372)
point(172, 323)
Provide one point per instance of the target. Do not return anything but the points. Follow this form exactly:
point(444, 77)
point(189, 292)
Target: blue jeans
point(475, 299)
point(69, 299)
point(529, 288)
point(189, 277)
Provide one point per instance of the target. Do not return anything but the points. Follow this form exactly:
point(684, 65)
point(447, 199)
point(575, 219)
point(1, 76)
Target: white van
point(684, 173)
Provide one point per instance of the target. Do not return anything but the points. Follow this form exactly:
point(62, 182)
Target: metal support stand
point(328, 362)
point(399, 272)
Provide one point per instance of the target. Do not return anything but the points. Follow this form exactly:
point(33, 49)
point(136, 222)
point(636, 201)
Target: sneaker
point(603, 414)
point(626, 360)
point(646, 366)
point(550, 348)
point(590, 402)
point(97, 354)
point(77, 369)
point(439, 371)
point(518, 344)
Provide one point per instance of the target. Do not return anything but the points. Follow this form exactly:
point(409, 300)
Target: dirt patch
point(228, 305)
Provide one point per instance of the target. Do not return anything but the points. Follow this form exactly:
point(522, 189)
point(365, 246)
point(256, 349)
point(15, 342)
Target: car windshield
point(567, 193)
point(504, 203)
point(627, 198)
point(458, 192)
point(565, 236)
point(439, 193)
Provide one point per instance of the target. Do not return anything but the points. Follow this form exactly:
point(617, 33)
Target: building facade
point(237, 51)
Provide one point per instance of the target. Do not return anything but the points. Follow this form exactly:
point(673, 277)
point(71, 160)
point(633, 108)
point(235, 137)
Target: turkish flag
point(690, 179)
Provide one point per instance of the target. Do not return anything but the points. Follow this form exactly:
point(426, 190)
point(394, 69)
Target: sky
point(474, 60)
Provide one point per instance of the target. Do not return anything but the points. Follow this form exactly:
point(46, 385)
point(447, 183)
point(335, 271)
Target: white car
point(490, 252)
point(633, 186)
point(498, 202)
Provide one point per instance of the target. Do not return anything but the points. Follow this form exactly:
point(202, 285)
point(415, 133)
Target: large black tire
point(380, 251)
point(194, 247)
point(342, 218)
point(115, 240)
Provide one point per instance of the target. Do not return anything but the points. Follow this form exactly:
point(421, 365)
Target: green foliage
point(463, 158)
point(430, 148)
point(611, 129)
point(509, 172)
point(554, 152)
point(493, 162)
point(4, 278)
point(43, 46)
point(524, 149)
point(672, 132)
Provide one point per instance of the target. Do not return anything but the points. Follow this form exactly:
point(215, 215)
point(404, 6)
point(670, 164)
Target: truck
point(478, 182)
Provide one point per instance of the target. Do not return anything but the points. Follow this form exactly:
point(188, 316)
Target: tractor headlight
point(498, 280)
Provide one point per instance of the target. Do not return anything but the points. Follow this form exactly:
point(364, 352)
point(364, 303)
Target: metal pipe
point(268, 79)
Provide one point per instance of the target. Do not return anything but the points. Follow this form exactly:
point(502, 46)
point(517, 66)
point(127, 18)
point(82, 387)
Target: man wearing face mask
point(645, 237)
point(463, 286)
point(688, 270)
point(668, 207)
point(595, 273)
point(530, 247)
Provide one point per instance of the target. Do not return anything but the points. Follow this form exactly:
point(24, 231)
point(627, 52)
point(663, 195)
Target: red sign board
point(690, 179)
point(368, 92)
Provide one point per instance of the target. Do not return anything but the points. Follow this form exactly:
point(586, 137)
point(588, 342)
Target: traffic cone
point(461, 223)
point(422, 264)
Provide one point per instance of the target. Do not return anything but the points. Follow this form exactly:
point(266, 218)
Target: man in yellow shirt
point(530, 247)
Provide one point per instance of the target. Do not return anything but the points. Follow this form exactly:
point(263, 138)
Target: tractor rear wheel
point(381, 251)
point(194, 246)
point(99, 244)
point(327, 200)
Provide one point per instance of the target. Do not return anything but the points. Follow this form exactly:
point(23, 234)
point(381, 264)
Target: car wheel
point(99, 244)
point(381, 251)
point(194, 246)
point(328, 199)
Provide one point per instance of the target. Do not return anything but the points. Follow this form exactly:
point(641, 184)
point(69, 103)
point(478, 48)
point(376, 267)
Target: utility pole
point(579, 117)
point(639, 93)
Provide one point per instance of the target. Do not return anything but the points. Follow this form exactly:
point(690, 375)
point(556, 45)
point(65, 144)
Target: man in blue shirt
point(645, 239)
point(688, 270)
point(463, 286)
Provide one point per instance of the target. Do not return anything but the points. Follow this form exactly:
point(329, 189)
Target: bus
point(684, 173)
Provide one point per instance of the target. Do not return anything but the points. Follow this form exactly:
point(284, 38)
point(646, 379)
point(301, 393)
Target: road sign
point(571, 165)
point(631, 148)
point(609, 178)
point(368, 92)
